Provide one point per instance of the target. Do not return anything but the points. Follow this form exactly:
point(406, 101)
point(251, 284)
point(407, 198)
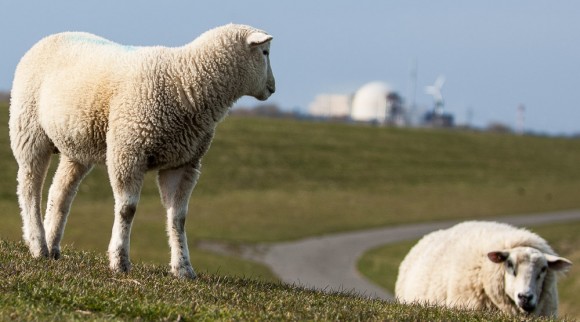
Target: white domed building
point(377, 102)
point(370, 102)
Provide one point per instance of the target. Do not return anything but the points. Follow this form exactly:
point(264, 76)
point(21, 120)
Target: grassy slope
point(298, 179)
point(270, 180)
point(381, 264)
point(80, 286)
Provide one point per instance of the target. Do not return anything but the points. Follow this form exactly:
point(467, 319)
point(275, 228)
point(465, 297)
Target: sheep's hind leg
point(60, 196)
point(30, 177)
point(32, 150)
point(175, 187)
point(126, 189)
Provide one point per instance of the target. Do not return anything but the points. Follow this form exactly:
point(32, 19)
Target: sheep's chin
point(263, 96)
point(520, 308)
point(529, 310)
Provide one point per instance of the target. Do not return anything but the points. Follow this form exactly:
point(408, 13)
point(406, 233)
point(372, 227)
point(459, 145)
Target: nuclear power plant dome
point(370, 102)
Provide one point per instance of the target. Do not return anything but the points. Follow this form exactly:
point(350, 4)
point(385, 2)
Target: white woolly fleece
point(450, 267)
point(135, 109)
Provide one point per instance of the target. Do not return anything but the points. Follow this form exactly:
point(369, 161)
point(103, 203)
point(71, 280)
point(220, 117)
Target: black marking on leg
point(125, 264)
point(128, 212)
point(181, 224)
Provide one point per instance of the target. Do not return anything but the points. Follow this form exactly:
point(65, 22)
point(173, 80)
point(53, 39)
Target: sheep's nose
point(525, 297)
point(526, 301)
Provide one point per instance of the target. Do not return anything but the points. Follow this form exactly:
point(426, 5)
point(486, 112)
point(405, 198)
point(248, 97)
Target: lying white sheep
point(135, 109)
point(483, 265)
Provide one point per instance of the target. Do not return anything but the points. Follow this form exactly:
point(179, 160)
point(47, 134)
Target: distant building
point(370, 104)
point(375, 102)
point(435, 119)
point(330, 106)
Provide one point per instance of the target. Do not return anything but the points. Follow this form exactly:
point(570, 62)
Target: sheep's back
point(71, 52)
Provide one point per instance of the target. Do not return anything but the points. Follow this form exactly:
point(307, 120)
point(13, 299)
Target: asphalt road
point(329, 262)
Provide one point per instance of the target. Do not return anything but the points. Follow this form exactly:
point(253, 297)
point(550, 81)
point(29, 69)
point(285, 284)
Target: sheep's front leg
point(126, 183)
point(60, 196)
point(175, 187)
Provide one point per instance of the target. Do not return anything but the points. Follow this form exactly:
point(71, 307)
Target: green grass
point(381, 264)
point(267, 180)
point(80, 286)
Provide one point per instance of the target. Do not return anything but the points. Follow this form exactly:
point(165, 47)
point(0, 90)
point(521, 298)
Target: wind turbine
point(435, 91)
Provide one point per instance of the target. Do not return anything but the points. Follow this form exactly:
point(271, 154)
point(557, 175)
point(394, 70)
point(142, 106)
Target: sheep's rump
point(64, 85)
point(444, 267)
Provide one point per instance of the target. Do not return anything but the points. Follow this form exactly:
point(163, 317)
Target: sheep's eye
point(541, 272)
point(266, 52)
point(511, 268)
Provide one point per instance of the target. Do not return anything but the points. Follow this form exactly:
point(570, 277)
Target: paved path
point(329, 262)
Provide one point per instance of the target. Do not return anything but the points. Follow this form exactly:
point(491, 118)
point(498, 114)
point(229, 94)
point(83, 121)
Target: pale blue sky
point(494, 54)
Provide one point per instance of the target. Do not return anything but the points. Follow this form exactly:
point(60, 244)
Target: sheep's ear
point(258, 38)
point(558, 263)
point(498, 257)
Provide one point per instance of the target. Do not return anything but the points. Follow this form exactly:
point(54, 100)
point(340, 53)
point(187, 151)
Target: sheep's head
point(261, 83)
point(524, 273)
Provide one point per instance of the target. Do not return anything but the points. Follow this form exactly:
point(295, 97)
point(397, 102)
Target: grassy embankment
point(80, 287)
point(268, 180)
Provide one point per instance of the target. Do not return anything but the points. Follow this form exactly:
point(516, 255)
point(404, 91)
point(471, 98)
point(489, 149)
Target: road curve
point(329, 262)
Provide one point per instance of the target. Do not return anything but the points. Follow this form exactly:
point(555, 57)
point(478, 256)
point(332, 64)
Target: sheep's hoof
point(54, 253)
point(38, 250)
point(121, 268)
point(184, 272)
point(120, 264)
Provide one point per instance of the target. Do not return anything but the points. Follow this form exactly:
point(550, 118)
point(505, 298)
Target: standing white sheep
point(133, 108)
point(483, 265)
